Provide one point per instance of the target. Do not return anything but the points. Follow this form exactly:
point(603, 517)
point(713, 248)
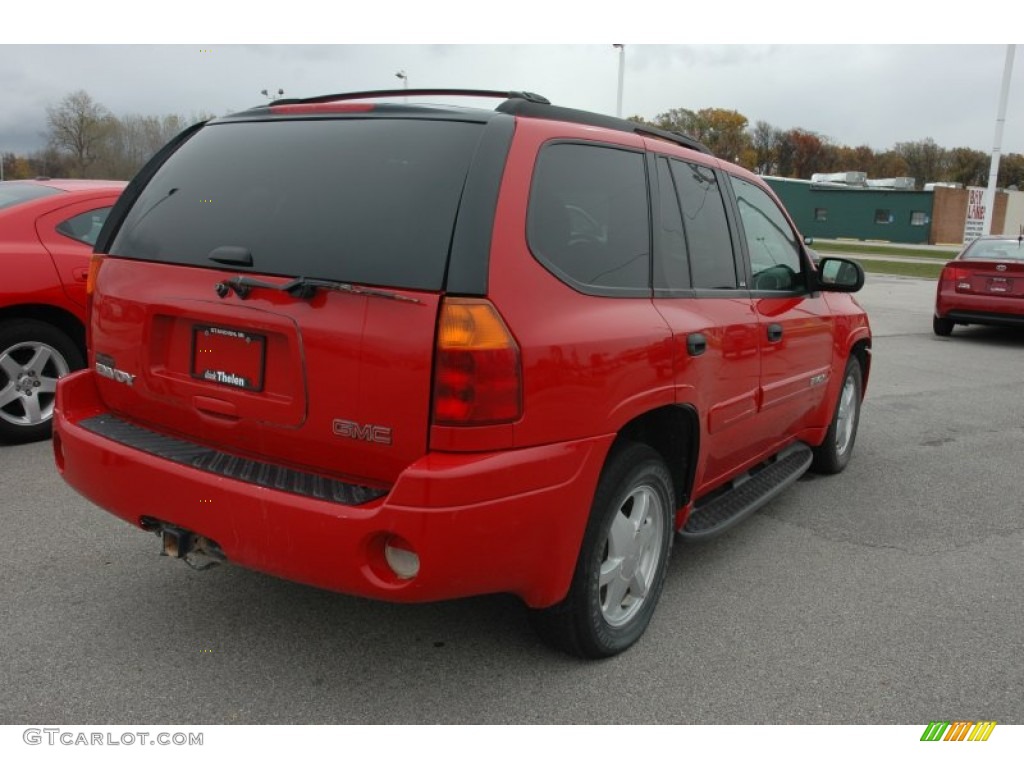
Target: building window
point(883, 216)
point(821, 214)
point(919, 218)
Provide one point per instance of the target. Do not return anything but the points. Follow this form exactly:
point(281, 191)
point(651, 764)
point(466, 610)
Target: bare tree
point(762, 139)
point(79, 126)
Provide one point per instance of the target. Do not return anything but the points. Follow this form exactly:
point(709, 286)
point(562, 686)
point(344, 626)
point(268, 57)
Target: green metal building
point(828, 210)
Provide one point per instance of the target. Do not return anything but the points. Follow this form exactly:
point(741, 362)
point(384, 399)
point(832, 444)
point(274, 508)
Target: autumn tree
point(723, 131)
point(860, 158)
point(807, 152)
point(888, 164)
point(79, 126)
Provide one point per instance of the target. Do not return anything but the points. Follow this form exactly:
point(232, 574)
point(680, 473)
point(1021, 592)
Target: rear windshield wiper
point(303, 288)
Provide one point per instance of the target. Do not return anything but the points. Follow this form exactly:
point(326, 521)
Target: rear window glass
point(362, 201)
point(995, 250)
point(13, 193)
point(588, 217)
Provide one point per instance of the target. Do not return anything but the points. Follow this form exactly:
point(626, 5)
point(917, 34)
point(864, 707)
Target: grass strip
point(884, 250)
point(930, 271)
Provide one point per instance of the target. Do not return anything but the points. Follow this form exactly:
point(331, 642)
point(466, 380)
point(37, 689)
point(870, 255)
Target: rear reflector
point(477, 372)
point(95, 262)
point(94, 268)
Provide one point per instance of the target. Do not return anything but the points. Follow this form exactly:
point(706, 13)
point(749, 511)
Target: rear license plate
point(999, 285)
point(229, 357)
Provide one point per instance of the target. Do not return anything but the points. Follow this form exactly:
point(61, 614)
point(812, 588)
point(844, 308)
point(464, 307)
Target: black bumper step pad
point(728, 508)
point(217, 462)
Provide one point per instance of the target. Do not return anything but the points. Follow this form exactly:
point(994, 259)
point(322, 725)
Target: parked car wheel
point(622, 562)
point(942, 326)
point(832, 456)
point(33, 355)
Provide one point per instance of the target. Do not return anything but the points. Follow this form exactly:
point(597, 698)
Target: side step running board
point(747, 494)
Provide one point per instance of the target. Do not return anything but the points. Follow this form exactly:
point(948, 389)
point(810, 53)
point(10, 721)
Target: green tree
point(966, 166)
point(1011, 171)
point(926, 161)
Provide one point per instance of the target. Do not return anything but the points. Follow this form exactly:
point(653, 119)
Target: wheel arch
point(861, 349)
point(55, 316)
point(674, 432)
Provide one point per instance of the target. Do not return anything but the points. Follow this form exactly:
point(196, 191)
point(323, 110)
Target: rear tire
point(33, 355)
point(832, 456)
point(942, 326)
point(622, 562)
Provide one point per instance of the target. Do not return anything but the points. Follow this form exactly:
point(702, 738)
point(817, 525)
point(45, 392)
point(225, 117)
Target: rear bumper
point(979, 309)
point(480, 522)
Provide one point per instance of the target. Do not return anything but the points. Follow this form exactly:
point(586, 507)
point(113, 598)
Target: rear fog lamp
point(401, 558)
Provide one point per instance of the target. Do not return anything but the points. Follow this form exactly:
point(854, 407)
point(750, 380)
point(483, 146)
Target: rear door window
point(588, 220)
point(712, 264)
point(369, 201)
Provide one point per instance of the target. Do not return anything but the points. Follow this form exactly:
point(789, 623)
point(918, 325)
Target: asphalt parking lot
point(888, 594)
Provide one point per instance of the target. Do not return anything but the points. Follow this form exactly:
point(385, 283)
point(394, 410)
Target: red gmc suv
point(417, 352)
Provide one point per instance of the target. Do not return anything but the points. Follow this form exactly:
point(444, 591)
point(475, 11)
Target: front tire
point(622, 562)
point(832, 456)
point(33, 355)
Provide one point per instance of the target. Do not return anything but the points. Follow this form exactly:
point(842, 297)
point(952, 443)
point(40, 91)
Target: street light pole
point(271, 96)
point(622, 70)
point(400, 74)
point(993, 171)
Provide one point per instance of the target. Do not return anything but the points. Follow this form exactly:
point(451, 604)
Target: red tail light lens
point(477, 372)
point(959, 277)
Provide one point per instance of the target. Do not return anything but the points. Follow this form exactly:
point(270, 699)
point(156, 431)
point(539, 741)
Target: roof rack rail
point(551, 112)
point(675, 136)
point(523, 103)
point(514, 95)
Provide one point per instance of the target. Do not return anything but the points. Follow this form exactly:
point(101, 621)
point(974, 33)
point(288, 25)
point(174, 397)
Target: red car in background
point(47, 231)
point(983, 285)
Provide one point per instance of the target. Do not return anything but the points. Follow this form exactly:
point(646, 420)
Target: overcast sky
point(874, 94)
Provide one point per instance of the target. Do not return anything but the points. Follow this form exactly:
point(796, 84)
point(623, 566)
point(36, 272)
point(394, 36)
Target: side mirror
point(808, 240)
point(840, 275)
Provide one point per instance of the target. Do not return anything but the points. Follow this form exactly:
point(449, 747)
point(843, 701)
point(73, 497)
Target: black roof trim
point(517, 103)
point(566, 114)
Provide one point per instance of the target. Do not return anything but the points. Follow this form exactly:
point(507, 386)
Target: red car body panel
point(38, 265)
point(473, 518)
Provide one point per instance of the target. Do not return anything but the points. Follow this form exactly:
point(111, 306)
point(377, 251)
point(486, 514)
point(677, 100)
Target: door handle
point(774, 332)
point(696, 344)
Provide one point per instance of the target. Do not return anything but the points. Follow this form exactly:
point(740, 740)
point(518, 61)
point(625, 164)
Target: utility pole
point(993, 171)
point(400, 74)
point(622, 70)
